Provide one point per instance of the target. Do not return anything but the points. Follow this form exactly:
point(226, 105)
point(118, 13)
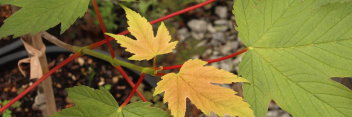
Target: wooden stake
point(46, 86)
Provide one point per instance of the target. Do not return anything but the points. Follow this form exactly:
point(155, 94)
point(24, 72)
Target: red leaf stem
point(228, 56)
point(211, 61)
point(128, 79)
point(102, 26)
point(133, 91)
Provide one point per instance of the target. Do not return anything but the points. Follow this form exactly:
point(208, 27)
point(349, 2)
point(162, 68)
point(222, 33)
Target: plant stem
point(129, 81)
point(114, 61)
point(213, 60)
point(228, 56)
point(132, 92)
point(102, 27)
point(154, 63)
point(56, 41)
point(87, 51)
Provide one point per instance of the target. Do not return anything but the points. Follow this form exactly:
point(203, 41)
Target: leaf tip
point(240, 79)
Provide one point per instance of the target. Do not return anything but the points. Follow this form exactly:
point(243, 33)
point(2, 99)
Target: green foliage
point(100, 103)
point(3, 2)
point(39, 15)
point(142, 109)
point(295, 48)
point(156, 100)
point(106, 87)
point(324, 2)
point(8, 112)
point(90, 75)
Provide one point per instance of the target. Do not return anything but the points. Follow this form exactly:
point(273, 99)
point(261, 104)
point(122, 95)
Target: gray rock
point(221, 28)
point(202, 43)
point(226, 65)
point(211, 28)
point(198, 25)
point(197, 35)
point(216, 65)
point(207, 52)
point(285, 115)
point(218, 36)
point(183, 34)
point(221, 11)
point(273, 106)
point(215, 53)
point(221, 22)
point(229, 47)
point(273, 113)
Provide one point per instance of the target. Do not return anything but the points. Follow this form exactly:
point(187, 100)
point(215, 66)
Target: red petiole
point(141, 78)
point(211, 61)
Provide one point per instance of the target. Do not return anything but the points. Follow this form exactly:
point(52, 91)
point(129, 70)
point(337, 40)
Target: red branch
point(210, 61)
point(102, 26)
point(111, 50)
point(92, 46)
point(124, 74)
point(141, 78)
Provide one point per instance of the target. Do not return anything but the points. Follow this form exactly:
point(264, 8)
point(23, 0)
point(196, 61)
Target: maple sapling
point(189, 82)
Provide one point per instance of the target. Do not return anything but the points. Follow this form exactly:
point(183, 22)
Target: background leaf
point(93, 102)
point(295, 48)
point(100, 103)
point(142, 109)
point(39, 15)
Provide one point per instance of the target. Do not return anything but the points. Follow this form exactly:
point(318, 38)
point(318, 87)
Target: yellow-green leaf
point(195, 82)
point(146, 46)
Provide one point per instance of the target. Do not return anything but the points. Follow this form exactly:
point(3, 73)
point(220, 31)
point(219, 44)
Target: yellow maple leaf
point(195, 82)
point(146, 46)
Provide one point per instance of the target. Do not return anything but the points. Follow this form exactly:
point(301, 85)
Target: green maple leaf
point(39, 15)
point(324, 2)
point(100, 103)
point(295, 48)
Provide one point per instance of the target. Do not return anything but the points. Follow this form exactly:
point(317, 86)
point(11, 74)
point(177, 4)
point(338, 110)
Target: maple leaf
point(100, 103)
point(194, 81)
point(39, 15)
point(296, 47)
point(146, 46)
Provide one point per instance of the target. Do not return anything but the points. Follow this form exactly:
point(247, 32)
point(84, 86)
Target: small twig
point(213, 60)
point(88, 51)
point(57, 42)
point(154, 63)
